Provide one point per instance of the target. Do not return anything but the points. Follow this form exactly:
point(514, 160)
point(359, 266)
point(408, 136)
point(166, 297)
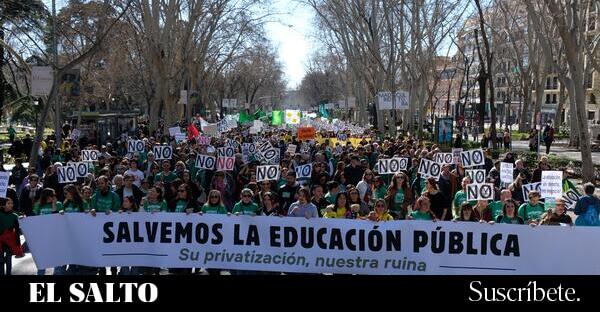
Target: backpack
point(589, 218)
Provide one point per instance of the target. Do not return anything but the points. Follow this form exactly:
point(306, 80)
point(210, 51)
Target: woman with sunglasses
point(214, 204)
point(246, 206)
point(380, 213)
point(183, 201)
point(398, 196)
point(509, 213)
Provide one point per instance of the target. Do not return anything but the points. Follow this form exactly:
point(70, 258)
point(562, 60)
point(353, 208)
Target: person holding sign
point(104, 200)
point(246, 206)
point(154, 202)
point(48, 204)
point(214, 205)
point(531, 212)
point(557, 217)
point(461, 196)
point(184, 201)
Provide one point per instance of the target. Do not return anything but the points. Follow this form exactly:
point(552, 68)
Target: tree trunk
point(524, 109)
point(561, 104)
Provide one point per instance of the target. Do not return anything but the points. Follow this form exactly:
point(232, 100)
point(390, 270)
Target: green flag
point(245, 117)
point(277, 118)
point(259, 113)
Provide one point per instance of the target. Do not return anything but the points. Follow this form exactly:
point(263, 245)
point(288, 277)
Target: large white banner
point(313, 245)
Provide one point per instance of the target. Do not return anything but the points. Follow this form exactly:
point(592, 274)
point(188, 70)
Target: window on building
point(588, 80)
point(553, 98)
point(548, 85)
point(555, 83)
point(547, 98)
point(591, 115)
point(592, 98)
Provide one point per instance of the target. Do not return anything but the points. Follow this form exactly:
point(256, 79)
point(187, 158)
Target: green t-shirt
point(70, 208)
point(155, 206)
point(496, 208)
point(528, 212)
point(104, 203)
point(380, 192)
point(417, 215)
point(398, 200)
point(508, 220)
point(161, 176)
point(249, 209)
point(46, 208)
point(181, 206)
point(330, 198)
point(8, 220)
point(218, 209)
point(461, 197)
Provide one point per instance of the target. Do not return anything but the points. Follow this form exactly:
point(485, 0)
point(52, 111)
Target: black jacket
point(25, 203)
point(137, 193)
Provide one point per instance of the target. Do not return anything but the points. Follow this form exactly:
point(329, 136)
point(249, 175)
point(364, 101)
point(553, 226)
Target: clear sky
point(290, 34)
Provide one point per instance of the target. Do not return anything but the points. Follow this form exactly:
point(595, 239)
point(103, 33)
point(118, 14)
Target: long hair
point(46, 194)
point(337, 198)
point(134, 205)
point(215, 193)
point(188, 192)
point(77, 200)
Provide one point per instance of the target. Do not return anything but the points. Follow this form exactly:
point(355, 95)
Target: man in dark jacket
point(29, 195)
point(130, 189)
point(27, 145)
point(18, 174)
point(354, 171)
point(287, 192)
